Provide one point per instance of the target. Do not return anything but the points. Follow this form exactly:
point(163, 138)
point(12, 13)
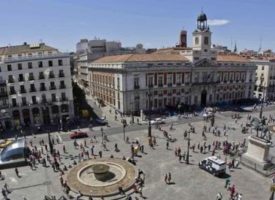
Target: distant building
point(89, 50)
point(169, 77)
point(221, 49)
point(36, 87)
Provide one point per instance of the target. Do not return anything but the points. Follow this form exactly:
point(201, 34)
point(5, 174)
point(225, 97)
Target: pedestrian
point(16, 172)
point(121, 191)
point(227, 183)
point(167, 145)
point(4, 193)
point(6, 187)
point(165, 178)
point(64, 148)
point(169, 178)
point(100, 154)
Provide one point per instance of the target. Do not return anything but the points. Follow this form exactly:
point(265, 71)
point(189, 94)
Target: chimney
point(183, 39)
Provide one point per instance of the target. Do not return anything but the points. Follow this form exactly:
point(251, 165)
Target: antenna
point(260, 46)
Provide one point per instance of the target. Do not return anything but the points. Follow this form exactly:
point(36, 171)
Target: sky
point(154, 23)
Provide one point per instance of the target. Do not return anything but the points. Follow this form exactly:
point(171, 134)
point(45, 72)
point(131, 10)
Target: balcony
point(160, 85)
point(51, 75)
point(44, 100)
point(64, 99)
point(32, 90)
point(52, 87)
point(12, 92)
point(61, 75)
point(23, 91)
point(178, 84)
point(169, 94)
point(21, 79)
point(34, 102)
point(169, 84)
point(31, 78)
point(43, 88)
point(11, 80)
point(41, 76)
point(24, 104)
point(54, 100)
point(14, 105)
point(150, 86)
point(136, 87)
point(62, 86)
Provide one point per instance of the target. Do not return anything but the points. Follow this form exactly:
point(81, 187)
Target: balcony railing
point(169, 84)
point(11, 80)
point(160, 85)
point(41, 77)
point(51, 76)
point(53, 87)
point(14, 105)
point(64, 99)
point(61, 75)
point(32, 90)
point(62, 86)
point(54, 100)
point(43, 88)
point(12, 92)
point(31, 78)
point(136, 87)
point(21, 79)
point(22, 91)
point(4, 94)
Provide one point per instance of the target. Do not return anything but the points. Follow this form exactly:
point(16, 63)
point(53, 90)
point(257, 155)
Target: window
point(53, 97)
point(118, 83)
point(0, 69)
point(9, 68)
point(14, 102)
point(30, 65)
point(24, 101)
point(32, 88)
point(12, 90)
point(22, 89)
point(136, 82)
point(150, 81)
point(40, 64)
point(31, 77)
point(43, 98)
point(61, 73)
point(62, 85)
point(11, 80)
point(42, 87)
point(41, 75)
point(50, 63)
point(19, 66)
point(21, 77)
point(160, 80)
point(206, 40)
point(196, 40)
point(60, 62)
point(63, 96)
point(34, 100)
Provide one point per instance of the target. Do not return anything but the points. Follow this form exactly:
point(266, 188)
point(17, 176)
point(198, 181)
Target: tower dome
point(202, 17)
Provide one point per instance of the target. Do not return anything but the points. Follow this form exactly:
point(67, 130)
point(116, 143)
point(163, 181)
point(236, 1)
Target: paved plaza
point(188, 180)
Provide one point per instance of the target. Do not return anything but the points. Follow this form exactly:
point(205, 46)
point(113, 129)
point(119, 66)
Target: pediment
point(204, 63)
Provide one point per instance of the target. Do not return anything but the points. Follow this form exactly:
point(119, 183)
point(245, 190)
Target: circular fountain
point(101, 177)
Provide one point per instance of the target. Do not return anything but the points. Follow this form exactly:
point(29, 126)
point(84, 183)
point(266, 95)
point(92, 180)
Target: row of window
point(43, 99)
point(40, 64)
point(31, 77)
point(42, 87)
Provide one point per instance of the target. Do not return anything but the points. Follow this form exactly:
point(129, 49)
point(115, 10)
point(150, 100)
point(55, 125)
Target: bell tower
point(202, 35)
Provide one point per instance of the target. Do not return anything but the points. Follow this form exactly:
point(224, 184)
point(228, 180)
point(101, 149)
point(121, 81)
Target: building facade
point(265, 78)
point(167, 78)
point(36, 86)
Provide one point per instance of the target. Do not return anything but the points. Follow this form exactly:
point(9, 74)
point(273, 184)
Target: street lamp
point(101, 135)
point(149, 114)
point(124, 126)
point(50, 142)
point(188, 147)
point(262, 100)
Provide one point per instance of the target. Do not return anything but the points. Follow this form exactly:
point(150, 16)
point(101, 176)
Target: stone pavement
point(190, 182)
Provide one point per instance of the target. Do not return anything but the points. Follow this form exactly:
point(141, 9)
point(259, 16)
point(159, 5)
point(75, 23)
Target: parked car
point(99, 122)
point(157, 121)
point(78, 134)
point(213, 165)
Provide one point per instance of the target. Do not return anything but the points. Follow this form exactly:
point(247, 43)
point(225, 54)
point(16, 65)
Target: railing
point(21, 79)
point(61, 75)
point(11, 80)
point(62, 86)
point(43, 88)
point(32, 90)
point(12, 92)
point(41, 77)
point(23, 91)
point(51, 76)
point(136, 87)
point(53, 87)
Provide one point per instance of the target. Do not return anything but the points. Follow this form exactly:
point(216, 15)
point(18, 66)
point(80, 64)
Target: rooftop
point(25, 48)
point(231, 58)
point(142, 58)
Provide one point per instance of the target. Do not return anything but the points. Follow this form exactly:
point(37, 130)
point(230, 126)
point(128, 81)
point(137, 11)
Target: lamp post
point(50, 142)
point(124, 126)
point(101, 135)
point(188, 147)
point(262, 100)
point(149, 114)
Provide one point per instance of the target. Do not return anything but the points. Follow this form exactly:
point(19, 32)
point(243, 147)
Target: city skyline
point(155, 24)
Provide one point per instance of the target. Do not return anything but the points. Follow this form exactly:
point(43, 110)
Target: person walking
point(219, 196)
point(16, 172)
point(169, 178)
point(167, 145)
point(166, 178)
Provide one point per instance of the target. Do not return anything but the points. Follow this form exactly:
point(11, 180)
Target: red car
point(78, 134)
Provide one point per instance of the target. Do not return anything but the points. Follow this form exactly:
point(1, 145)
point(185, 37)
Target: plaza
point(188, 180)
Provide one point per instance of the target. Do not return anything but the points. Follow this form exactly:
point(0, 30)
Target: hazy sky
point(154, 23)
